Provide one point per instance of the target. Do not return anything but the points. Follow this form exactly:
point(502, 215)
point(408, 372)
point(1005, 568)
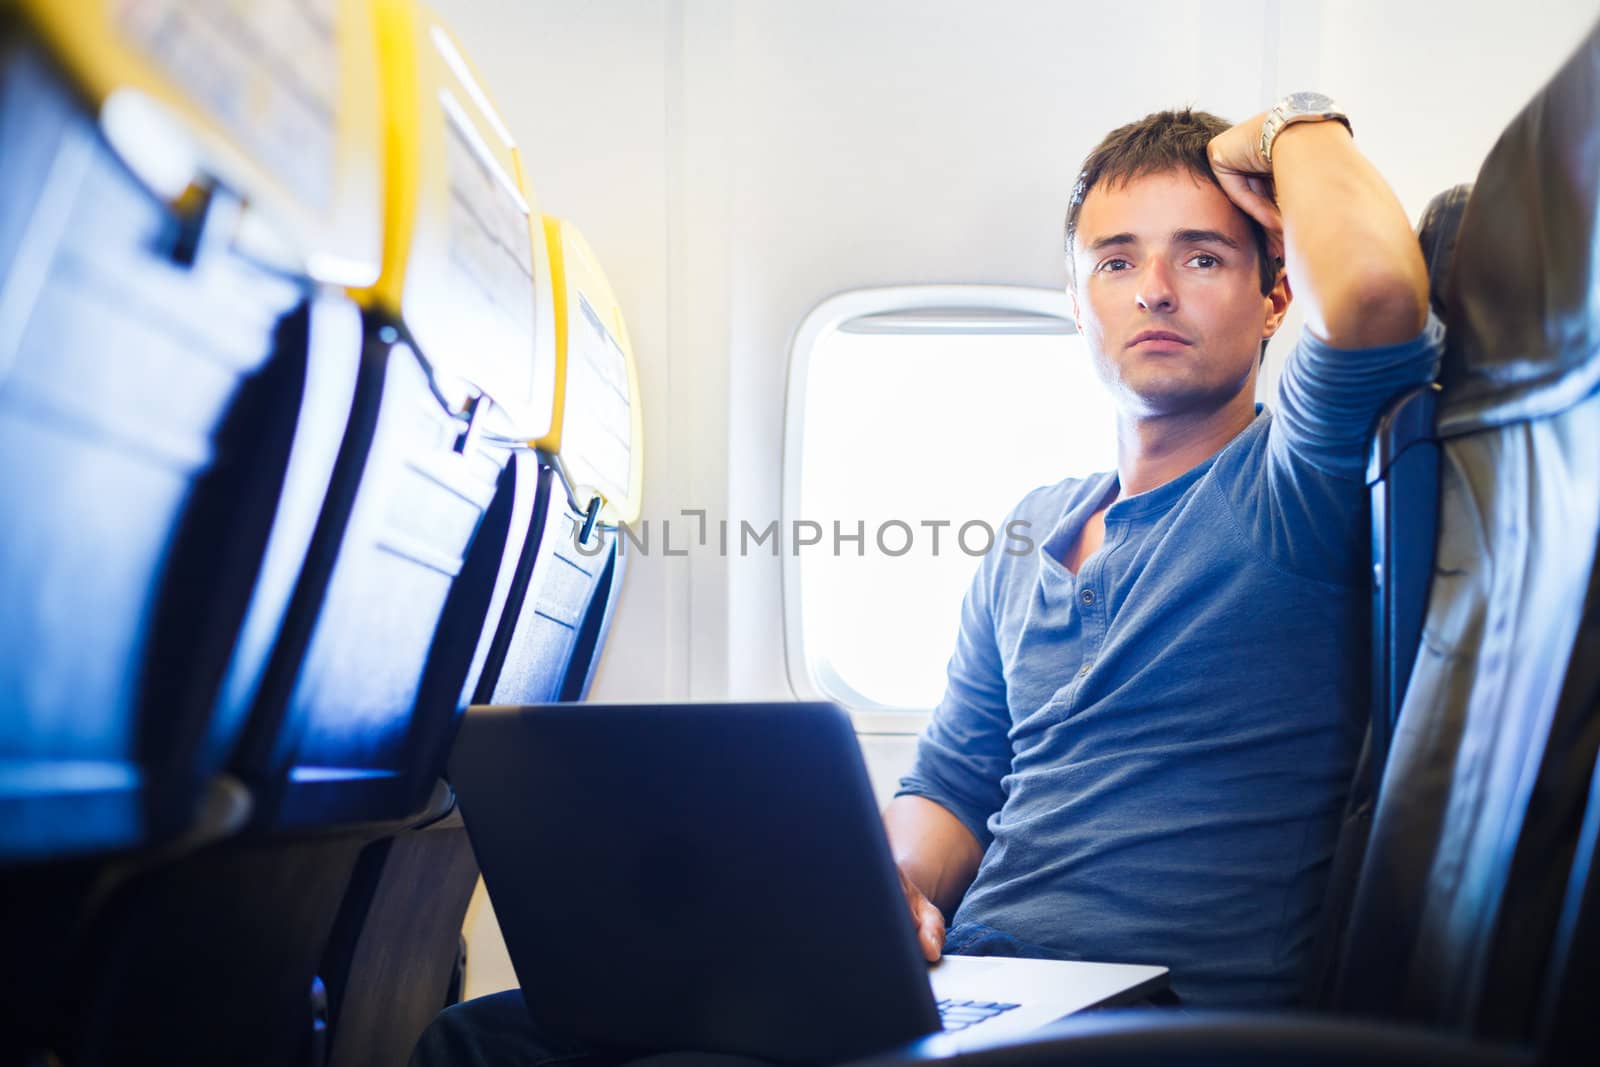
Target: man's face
point(1168, 294)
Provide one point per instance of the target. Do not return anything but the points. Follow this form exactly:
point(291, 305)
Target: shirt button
point(1087, 596)
point(1084, 670)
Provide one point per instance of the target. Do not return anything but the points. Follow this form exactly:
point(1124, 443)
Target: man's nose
point(1156, 291)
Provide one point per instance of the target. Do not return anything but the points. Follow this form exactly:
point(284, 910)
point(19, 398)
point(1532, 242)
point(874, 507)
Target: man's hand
point(1247, 178)
point(936, 856)
point(1343, 236)
point(927, 919)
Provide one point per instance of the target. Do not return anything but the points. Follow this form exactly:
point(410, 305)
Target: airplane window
point(913, 430)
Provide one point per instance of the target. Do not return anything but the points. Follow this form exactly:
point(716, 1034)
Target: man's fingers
point(1253, 202)
point(1253, 194)
point(930, 930)
point(925, 917)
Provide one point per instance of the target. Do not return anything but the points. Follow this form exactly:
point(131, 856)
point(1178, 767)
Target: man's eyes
point(1202, 260)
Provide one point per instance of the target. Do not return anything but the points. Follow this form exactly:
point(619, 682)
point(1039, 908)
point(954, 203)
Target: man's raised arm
point(1352, 260)
point(937, 857)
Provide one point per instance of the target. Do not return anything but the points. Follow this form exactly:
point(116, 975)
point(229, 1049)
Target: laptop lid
point(693, 876)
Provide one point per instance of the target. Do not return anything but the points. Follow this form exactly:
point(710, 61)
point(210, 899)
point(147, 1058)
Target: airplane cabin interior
point(489, 490)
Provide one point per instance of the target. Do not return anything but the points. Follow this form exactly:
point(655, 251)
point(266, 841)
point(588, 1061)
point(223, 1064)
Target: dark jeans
point(497, 1031)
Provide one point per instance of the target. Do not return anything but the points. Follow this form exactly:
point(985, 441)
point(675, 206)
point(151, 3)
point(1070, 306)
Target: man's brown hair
point(1164, 141)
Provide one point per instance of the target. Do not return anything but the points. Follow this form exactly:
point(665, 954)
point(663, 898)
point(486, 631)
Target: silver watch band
point(1298, 107)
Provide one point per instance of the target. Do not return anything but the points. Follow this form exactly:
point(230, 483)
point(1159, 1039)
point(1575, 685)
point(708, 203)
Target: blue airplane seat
point(366, 681)
point(345, 745)
point(1403, 480)
point(379, 974)
point(1403, 475)
point(542, 640)
point(150, 381)
point(279, 557)
point(595, 629)
point(345, 741)
point(415, 547)
point(394, 958)
point(395, 949)
point(1471, 931)
point(170, 412)
point(1453, 874)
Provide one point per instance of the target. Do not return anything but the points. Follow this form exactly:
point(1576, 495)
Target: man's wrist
point(1294, 140)
point(1297, 109)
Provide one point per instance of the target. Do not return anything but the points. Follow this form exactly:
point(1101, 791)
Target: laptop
point(715, 877)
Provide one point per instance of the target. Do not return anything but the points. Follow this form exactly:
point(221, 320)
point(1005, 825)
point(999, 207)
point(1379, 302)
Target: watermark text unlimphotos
point(892, 537)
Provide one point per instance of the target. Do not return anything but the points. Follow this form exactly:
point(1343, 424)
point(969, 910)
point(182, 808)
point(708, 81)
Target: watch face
point(1301, 103)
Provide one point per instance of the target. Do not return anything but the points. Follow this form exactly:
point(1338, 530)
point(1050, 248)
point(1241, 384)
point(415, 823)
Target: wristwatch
point(1298, 107)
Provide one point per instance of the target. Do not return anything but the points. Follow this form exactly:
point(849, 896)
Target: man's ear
point(1278, 299)
point(1072, 295)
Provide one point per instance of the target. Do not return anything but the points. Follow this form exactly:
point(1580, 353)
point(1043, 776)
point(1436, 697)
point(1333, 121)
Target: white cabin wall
point(1431, 85)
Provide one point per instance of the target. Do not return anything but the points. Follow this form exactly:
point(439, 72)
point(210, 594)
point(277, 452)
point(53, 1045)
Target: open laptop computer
point(716, 877)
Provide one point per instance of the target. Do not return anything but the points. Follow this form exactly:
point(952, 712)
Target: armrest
point(1159, 1038)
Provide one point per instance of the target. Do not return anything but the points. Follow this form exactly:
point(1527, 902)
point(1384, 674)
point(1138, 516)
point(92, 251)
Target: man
point(1150, 723)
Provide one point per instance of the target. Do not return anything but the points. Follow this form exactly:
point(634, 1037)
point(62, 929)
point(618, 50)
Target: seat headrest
point(1523, 298)
point(1437, 232)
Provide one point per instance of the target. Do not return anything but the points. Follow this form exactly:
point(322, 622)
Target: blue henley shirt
point(1154, 752)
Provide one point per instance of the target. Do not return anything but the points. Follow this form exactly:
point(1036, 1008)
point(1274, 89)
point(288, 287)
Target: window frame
point(969, 308)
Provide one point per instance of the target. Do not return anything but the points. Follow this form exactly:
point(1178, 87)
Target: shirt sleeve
point(965, 752)
point(1309, 513)
point(1329, 398)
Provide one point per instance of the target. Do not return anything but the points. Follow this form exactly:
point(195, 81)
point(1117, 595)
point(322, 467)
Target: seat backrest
point(347, 731)
point(366, 676)
point(596, 628)
point(541, 631)
point(1403, 476)
point(153, 378)
point(1403, 485)
point(420, 537)
point(175, 380)
point(394, 947)
point(550, 636)
point(1454, 919)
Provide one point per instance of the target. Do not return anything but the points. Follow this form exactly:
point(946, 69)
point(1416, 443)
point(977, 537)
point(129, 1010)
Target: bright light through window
point(934, 428)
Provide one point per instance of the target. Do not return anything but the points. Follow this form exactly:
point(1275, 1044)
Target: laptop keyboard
point(960, 1014)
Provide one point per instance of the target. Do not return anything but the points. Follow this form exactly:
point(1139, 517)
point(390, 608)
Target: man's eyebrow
point(1182, 237)
point(1114, 240)
point(1198, 237)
